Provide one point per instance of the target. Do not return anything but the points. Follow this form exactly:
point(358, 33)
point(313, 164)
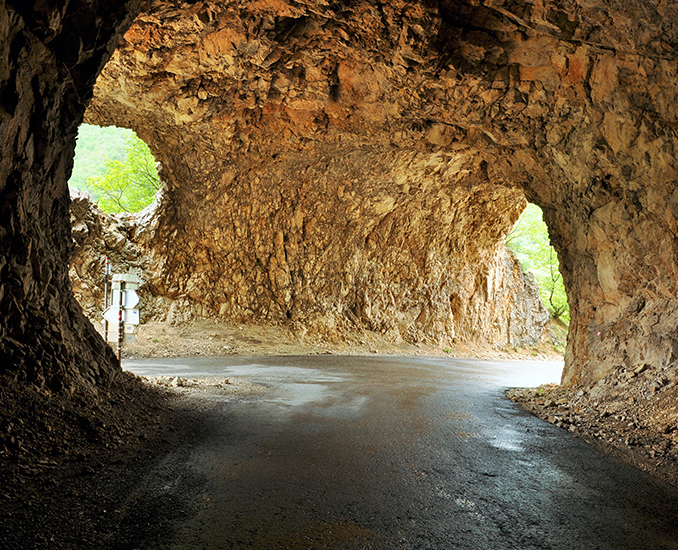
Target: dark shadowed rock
point(50, 55)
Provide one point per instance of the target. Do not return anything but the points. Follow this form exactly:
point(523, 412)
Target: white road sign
point(129, 316)
point(132, 316)
point(131, 299)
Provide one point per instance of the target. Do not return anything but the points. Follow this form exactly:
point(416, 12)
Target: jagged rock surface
point(50, 54)
point(494, 303)
point(282, 205)
point(570, 102)
point(97, 237)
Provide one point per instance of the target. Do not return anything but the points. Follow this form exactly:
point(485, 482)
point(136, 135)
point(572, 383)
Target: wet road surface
point(390, 453)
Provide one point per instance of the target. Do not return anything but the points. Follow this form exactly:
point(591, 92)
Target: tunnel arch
point(548, 100)
point(530, 241)
point(319, 142)
point(50, 57)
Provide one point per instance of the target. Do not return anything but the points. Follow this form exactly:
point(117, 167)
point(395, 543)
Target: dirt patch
point(232, 387)
point(69, 466)
point(53, 448)
point(213, 338)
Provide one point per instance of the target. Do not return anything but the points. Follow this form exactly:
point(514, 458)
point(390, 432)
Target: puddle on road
point(282, 374)
point(214, 367)
point(305, 401)
point(296, 395)
point(295, 390)
point(507, 439)
point(506, 445)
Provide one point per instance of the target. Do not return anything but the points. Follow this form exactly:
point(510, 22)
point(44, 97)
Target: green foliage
point(529, 240)
point(130, 184)
point(96, 144)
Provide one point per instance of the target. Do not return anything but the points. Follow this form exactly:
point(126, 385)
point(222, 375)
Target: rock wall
point(330, 267)
point(604, 171)
point(572, 103)
point(50, 55)
point(325, 238)
point(283, 205)
point(97, 237)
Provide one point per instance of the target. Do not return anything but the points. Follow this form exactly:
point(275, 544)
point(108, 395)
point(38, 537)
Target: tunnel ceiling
point(363, 160)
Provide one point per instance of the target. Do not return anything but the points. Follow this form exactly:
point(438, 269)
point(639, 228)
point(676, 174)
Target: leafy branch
point(128, 185)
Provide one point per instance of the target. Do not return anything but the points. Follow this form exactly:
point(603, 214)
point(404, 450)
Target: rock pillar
point(50, 55)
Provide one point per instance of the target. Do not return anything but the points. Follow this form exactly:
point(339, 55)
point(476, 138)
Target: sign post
point(107, 274)
point(122, 313)
point(121, 324)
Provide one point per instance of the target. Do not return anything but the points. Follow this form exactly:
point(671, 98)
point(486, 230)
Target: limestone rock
point(407, 132)
point(500, 306)
point(306, 188)
point(439, 117)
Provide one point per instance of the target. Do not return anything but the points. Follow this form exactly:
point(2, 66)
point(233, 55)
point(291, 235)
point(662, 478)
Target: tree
point(127, 185)
point(529, 239)
point(95, 144)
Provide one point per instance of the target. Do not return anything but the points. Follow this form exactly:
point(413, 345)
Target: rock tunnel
point(350, 160)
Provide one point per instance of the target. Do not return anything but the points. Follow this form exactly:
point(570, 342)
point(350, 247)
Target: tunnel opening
point(370, 139)
point(390, 147)
point(529, 240)
point(116, 168)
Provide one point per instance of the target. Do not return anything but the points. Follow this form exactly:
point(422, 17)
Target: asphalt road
point(390, 453)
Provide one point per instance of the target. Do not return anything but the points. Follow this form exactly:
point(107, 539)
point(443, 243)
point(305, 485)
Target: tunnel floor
point(350, 452)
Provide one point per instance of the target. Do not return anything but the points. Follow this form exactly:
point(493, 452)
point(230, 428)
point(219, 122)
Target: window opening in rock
point(529, 240)
point(116, 168)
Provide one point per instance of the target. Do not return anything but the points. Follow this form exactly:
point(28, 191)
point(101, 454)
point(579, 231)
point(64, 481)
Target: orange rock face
point(329, 159)
point(408, 134)
point(304, 183)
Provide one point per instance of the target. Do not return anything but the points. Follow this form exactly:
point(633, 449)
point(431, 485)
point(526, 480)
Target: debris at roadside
point(67, 464)
point(632, 413)
point(230, 386)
